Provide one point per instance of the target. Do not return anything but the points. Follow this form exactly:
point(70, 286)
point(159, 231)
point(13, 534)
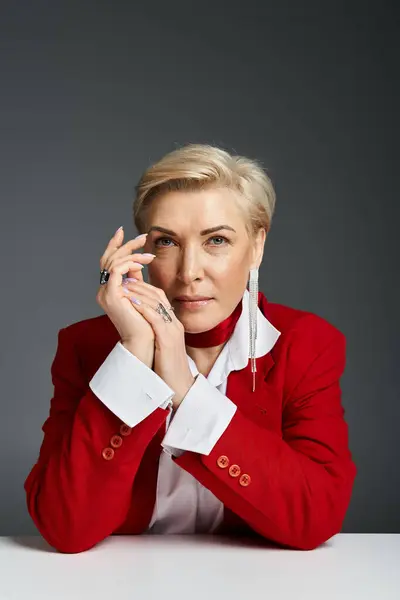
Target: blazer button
point(234, 470)
point(116, 441)
point(125, 430)
point(223, 461)
point(245, 480)
point(108, 453)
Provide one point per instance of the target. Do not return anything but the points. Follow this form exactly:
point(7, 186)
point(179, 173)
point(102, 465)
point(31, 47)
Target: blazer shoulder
point(294, 322)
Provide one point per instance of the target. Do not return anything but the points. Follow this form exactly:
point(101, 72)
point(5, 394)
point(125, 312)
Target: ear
point(258, 248)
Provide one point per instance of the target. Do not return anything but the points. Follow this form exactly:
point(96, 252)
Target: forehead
point(199, 209)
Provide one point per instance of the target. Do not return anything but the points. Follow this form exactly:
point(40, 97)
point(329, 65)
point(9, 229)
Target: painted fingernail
point(135, 300)
point(140, 236)
point(126, 291)
point(129, 279)
point(119, 229)
point(148, 254)
point(139, 265)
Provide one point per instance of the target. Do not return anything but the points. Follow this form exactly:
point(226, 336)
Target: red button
point(125, 430)
point(116, 441)
point(108, 453)
point(223, 461)
point(245, 480)
point(234, 470)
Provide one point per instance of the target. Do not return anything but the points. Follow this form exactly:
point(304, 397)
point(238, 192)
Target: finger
point(116, 272)
point(125, 252)
point(157, 292)
point(139, 259)
point(143, 289)
point(146, 259)
point(139, 297)
point(115, 245)
point(140, 294)
point(131, 246)
point(155, 319)
point(117, 256)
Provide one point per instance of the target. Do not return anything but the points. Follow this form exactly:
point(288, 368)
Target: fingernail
point(126, 291)
point(139, 265)
point(119, 229)
point(135, 300)
point(140, 236)
point(148, 254)
point(129, 279)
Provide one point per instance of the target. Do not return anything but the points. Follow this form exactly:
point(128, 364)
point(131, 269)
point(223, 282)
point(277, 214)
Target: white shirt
point(132, 391)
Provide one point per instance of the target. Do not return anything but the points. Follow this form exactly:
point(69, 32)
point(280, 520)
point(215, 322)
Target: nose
point(190, 267)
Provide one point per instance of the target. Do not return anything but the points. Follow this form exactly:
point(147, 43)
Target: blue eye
point(219, 237)
point(215, 237)
point(160, 240)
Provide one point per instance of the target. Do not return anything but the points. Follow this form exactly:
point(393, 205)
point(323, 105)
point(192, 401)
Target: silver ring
point(163, 312)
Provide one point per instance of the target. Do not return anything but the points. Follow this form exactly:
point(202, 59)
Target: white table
point(182, 567)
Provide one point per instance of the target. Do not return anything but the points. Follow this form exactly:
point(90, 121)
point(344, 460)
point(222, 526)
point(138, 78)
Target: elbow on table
point(66, 538)
point(58, 523)
point(69, 544)
point(308, 533)
point(314, 542)
point(309, 541)
point(329, 522)
point(73, 548)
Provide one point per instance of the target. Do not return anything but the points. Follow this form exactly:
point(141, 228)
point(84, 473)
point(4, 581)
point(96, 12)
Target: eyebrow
point(204, 232)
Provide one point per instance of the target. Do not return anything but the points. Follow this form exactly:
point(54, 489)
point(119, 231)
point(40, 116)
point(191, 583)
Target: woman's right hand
point(136, 333)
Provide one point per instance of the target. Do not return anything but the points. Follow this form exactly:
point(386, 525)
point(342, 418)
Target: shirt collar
point(235, 354)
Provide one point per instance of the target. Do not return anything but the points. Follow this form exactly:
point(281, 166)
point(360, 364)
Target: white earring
point(253, 305)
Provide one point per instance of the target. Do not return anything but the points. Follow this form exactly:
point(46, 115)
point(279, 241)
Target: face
point(190, 261)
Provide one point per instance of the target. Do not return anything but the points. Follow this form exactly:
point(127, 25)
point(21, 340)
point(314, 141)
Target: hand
point(170, 358)
point(135, 332)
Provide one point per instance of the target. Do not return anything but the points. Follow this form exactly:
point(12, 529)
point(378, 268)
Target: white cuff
point(128, 387)
point(200, 420)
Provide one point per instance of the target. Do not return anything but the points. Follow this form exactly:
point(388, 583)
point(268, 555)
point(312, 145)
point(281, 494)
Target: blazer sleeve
point(76, 495)
point(293, 489)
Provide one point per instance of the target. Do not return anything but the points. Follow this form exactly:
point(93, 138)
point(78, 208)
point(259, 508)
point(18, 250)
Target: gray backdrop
point(92, 92)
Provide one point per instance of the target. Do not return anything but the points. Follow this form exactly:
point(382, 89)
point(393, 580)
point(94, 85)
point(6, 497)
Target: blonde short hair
point(196, 167)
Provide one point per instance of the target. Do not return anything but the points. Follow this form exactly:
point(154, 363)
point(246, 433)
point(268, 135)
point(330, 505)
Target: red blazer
point(288, 438)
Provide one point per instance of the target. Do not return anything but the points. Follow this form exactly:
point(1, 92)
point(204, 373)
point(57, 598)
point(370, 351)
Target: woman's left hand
point(170, 359)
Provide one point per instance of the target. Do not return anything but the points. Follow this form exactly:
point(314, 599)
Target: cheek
point(161, 273)
point(229, 267)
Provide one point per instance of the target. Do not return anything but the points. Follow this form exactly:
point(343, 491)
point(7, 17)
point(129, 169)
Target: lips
point(192, 298)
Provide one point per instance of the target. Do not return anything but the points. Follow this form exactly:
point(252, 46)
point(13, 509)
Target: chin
point(196, 323)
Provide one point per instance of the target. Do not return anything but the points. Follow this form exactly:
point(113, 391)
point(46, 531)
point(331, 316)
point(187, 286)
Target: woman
point(194, 405)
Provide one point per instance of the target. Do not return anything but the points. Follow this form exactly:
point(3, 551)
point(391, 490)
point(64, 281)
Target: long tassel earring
point(253, 305)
